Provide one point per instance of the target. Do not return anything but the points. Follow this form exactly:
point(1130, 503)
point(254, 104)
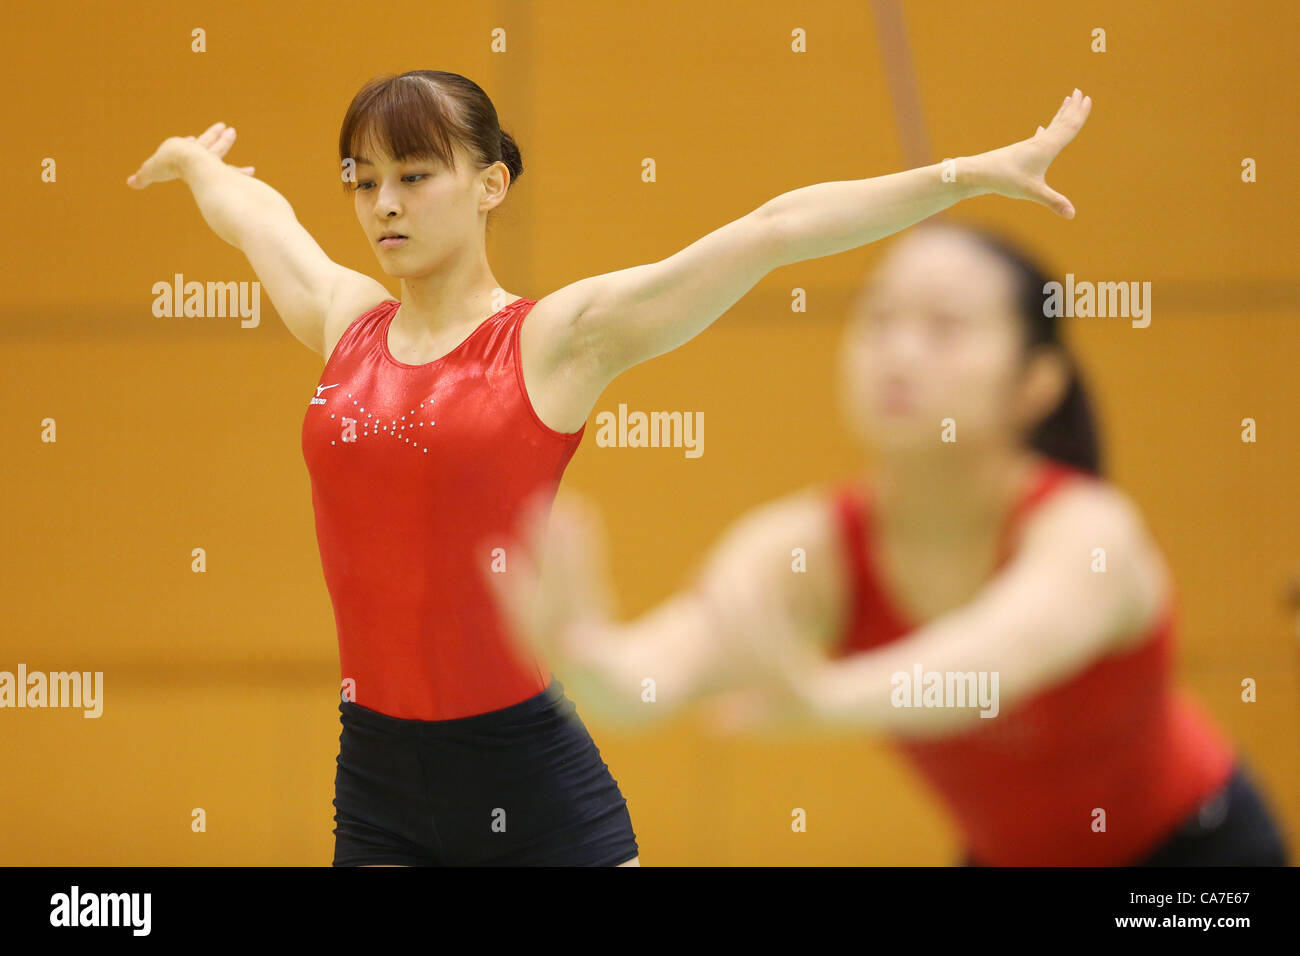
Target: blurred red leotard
point(1023, 787)
point(412, 467)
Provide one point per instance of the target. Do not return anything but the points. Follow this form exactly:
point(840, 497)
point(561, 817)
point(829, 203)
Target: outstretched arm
point(619, 319)
point(1045, 617)
point(559, 608)
point(303, 282)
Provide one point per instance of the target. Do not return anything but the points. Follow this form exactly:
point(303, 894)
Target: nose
point(900, 344)
point(386, 204)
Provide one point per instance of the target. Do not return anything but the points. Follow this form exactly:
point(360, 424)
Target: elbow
point(771, 227)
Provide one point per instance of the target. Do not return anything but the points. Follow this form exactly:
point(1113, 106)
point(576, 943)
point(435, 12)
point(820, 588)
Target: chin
point(899, 434)
point(403, 271)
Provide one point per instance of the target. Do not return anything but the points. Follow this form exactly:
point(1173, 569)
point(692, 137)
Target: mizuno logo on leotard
point(320, 388)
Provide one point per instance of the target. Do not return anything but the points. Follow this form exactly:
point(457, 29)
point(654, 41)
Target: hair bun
point(510, 156)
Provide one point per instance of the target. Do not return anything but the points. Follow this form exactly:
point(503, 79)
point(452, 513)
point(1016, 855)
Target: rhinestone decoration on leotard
point(395, 423)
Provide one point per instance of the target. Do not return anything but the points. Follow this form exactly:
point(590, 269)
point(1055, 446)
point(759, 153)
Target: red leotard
point(1023, 786)
point(412, 467)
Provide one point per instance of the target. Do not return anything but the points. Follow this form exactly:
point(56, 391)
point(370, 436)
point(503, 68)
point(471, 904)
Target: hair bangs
point(400, 118)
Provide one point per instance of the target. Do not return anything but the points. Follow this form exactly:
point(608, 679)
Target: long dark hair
point(1070, 433)
point(425, 113)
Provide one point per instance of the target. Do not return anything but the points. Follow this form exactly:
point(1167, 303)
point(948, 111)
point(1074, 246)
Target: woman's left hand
point(1017, 171)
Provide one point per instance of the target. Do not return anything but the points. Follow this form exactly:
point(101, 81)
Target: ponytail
point(1069, 434)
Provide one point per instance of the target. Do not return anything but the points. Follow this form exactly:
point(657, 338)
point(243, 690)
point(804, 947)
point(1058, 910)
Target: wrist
point(188, 156)
point(823, 696)
point(968, 174)
point(587, 643)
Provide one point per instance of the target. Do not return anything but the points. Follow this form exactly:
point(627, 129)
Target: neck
point(462, 292)
point(929, 499)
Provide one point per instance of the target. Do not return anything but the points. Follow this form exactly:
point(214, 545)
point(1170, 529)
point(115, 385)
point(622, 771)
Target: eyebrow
point(407, 160)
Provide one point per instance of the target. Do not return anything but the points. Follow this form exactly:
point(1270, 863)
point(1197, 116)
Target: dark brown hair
point(425, 114)
point(1069, 434)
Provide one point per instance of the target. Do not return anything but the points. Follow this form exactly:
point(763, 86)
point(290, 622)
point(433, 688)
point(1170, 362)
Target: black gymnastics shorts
point(520, 786)
point(1233, 827)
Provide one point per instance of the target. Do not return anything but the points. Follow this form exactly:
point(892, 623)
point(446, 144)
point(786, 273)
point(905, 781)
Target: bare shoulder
point(800, 519)
point(1095, 526)
point(355, 295)
point(548, 334)
point(1091, 508)
point(562, 372)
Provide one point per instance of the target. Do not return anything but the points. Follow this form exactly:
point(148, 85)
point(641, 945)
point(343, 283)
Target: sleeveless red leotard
point(412, 467)
point(1023, 787)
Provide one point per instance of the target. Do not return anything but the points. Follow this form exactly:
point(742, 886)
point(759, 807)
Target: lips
point(897, 397)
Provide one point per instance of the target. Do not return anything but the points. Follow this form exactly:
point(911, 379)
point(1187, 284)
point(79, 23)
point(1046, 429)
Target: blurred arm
point(691, 646)
point(1046, 616)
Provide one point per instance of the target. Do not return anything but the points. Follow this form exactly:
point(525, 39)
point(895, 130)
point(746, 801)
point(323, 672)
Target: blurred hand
point(742, 711)
point(165, 163)
point(782, 666)
point(557, 606)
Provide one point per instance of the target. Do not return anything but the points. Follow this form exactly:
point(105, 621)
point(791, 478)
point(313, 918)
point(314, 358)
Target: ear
point(1047, 376)
point(494, 181)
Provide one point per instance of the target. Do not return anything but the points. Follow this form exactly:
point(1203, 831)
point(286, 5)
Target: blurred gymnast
point(991, 604)
point(437, 416)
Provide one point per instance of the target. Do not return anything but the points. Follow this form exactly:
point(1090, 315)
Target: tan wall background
point(221, 688)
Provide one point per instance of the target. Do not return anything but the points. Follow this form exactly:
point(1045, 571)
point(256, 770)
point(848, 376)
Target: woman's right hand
point(555, 595)
point(165, 163)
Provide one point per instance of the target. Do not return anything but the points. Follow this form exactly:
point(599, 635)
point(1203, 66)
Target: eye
point(365, 183)
point(874, 318)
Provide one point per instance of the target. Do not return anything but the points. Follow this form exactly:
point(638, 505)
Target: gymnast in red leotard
point(982, 595)
point(440, 413)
